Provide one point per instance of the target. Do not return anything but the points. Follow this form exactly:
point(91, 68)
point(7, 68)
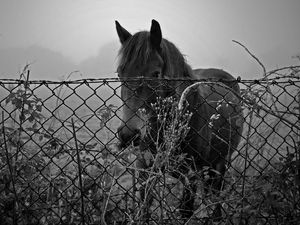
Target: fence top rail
point(274, 80)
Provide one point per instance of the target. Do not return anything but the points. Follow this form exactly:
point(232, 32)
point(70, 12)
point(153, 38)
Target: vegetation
point(49, 177)
point(44, 178)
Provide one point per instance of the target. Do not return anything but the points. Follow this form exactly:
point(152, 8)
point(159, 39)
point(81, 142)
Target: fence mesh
point(60, 162)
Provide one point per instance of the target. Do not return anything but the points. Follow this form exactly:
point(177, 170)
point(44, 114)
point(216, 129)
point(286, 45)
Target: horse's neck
point(212, 73)
point(216, 75)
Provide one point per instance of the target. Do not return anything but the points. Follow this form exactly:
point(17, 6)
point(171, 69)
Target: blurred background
point(58, 37)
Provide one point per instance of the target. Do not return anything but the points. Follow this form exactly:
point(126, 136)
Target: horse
point(147, 55)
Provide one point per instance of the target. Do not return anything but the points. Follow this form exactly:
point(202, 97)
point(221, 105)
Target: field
point(60, 164)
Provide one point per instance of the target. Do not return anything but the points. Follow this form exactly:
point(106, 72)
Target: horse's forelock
point(137, 51)
point(175, 64)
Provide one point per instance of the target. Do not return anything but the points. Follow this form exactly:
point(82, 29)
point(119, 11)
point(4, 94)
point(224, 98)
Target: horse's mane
point(137, 51)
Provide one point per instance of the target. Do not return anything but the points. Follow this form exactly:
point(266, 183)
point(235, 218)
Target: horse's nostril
point(127, 136)
point(137, 135)
point(137, 132)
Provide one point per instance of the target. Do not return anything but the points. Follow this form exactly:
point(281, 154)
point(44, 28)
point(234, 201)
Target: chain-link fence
point(60, 162)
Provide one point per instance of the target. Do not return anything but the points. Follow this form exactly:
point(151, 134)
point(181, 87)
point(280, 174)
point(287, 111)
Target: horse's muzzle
point(128, 136)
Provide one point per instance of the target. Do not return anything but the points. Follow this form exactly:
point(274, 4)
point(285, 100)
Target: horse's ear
point(155, 35)
point(123, 34)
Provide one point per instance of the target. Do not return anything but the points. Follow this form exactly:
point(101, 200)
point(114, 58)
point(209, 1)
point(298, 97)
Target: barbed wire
point(273, 80)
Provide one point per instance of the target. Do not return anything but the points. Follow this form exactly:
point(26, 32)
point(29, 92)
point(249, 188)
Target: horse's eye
point(156, 74)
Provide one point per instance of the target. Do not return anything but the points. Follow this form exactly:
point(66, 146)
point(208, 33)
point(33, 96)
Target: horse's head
point(145, 58)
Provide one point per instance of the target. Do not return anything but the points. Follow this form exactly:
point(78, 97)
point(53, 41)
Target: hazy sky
point(203, 30)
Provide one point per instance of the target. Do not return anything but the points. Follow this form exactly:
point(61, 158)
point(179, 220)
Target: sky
point(61, 36)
